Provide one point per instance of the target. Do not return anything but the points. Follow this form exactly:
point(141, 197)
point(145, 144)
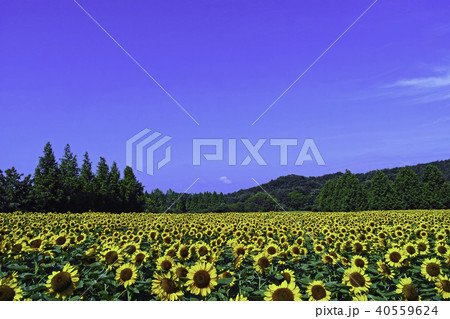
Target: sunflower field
point(374, 255)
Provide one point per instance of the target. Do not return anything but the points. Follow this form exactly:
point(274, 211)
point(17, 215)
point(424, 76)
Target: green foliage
point(14, 191)
point(260, 202)
point(407, 188)
point(47, 192)
point(381, 193)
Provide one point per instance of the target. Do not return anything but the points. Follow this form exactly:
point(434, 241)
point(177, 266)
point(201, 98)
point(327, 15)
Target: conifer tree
point(69, 170)
point(381, 194)
point(47, 190)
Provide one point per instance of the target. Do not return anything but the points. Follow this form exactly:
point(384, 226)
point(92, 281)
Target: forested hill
point(311, 186)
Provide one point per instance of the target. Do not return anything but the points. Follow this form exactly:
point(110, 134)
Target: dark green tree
point(260, 202)
point(297, 200)
point(445, 195)
point(349, 195)
point(70, 182)
point(407, 190)
point(114, 203)
point(132, 192)
point(86, 199)
point(14, 191)
point(433, 180)
point(381, 194)
point(325, 199)
point(47, 192)
point(101, 185)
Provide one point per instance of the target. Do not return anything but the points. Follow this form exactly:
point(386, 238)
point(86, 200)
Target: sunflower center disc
point(433, 269)
point(126, 274)
point(442, 249)
point(166, 265)
point(360, 263)
point(181, 272)
point(61, 241)
point(445, 285)
point(184, 253)
point(36, 243)
point(395, 257)
point(168, 286)
point(240, 251)
point(318, 292)
point(263, 262)
point(6, 293)
point(283, 294)
point(410, 292)
point(411, 250)
point(202, 279)
point(271, 250)
point(203, 251)
point(111, 257)
point(357, 280)
point(61, 281)
point(140, 258)
point(286, 277)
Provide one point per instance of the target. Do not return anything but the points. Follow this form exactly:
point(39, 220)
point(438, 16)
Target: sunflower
point(357, 280)
point(411, 250)
point(203, 250)
point(111, 256)
point(183, 252)
point(284, 292)
point(9, 289)
point(239, 297)
point(319, 249)
point(406, 288)
point(61, 240)
point(394, 257)
point(179, 271)
point(61, 284)
point(37, 243)
point(126, 275)
point(443, 287)
point(431, 269)
point(202, 278)
point(423, 246)
point(228, 274)
point(140, 257)
point(165, 287)
point(272, 249)
point(328, 259)
point(441, 249)
point(384, 270)
point(262, 262)
point(239, 250)
point(288, 275)
point(165, 263)
point(317, 292)
point(360, 262)
point(358, 247)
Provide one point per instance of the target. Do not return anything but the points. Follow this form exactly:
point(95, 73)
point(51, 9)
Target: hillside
point(310, 186)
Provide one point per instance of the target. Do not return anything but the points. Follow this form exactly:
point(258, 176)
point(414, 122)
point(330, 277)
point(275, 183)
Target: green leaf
point(224, 281)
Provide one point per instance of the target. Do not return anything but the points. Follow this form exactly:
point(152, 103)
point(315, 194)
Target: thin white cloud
point(421, 90)
point(225, 180)
point(427, 82)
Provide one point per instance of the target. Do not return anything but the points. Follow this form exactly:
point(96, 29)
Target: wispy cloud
point(225, 180)
point(423, 83)
point(427, 89)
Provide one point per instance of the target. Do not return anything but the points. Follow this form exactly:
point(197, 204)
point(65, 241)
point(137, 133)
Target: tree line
point(407, 190)
point(64, 186)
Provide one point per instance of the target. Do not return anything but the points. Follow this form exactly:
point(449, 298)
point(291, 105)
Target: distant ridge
point(283, 185)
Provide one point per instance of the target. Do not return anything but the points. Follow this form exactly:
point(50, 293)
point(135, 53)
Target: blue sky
point(379, 97)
